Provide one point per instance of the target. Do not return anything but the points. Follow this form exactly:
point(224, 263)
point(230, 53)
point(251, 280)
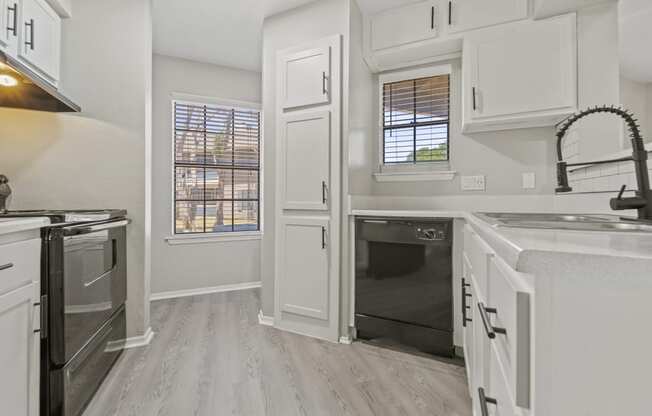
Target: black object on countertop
point(643, 199)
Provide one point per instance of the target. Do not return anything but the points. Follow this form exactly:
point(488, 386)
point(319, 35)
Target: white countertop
point(15, 225)
point(515, 245)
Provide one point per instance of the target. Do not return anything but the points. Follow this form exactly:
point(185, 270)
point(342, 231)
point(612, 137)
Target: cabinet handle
point(450, 13)
point(491, 330)
point(324, 192)
point(30, 43)
point(465, 306)
point(44, 316)
point(473, 98)
point(484, 400)
point(14, 28)
point(6, 266)
point(432, 17)
point(323, 237)
point(323, 83)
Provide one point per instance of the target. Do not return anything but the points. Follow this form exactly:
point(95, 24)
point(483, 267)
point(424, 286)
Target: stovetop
point(71, 216)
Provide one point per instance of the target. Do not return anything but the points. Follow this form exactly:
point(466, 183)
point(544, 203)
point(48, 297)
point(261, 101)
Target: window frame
point(201, 237)
point(411, 167)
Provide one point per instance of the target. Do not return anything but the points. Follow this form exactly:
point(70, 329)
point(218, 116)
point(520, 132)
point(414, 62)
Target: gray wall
point(312, 21)
point(194, 266)
point(95, 159)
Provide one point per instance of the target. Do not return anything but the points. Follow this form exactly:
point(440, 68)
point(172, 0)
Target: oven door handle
point(88, 229)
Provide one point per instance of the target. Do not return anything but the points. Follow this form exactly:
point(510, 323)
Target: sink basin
point(578, 222)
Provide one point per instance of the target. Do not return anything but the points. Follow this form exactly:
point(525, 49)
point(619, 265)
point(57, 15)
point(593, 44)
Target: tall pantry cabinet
point(308, 212)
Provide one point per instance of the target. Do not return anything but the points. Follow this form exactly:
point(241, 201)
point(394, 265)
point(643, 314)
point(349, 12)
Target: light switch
point(473, 183)
point(529, 180)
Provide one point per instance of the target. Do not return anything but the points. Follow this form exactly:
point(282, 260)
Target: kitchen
point(332, 207)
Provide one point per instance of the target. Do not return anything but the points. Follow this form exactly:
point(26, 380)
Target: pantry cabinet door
point(402, 25)
point(305, 77)
point(305, 143)
point(304, 277)
point(19, 352)
point(463, 15)
point(40, 38)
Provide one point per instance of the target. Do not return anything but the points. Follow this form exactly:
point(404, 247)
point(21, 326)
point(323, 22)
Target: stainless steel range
point(84, 290)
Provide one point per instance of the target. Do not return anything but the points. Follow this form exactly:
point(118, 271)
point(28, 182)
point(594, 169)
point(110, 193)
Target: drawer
point(20, 264)
point(510, 310)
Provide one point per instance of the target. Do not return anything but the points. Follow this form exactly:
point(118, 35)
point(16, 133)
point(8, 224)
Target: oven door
point(88, 283)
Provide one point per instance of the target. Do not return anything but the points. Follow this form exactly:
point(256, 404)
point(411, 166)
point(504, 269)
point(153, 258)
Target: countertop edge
point(18, 225)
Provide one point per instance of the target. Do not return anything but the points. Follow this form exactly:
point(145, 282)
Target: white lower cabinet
point(304, 288)
point(521, 74)
point(20, 328)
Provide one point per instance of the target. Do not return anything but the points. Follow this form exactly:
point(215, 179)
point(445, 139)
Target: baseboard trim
point(204, 291)
point(265, 320)
point(346, 339)
point(132, 342)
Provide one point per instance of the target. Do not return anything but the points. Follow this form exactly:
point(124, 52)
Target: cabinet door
point(304, 269)
point(521, 71)
point(465, 15)
point(41, 37)
point(403, 25)
point(19, 352)
point(305, 160)
point(9, 26)
point(305, 77)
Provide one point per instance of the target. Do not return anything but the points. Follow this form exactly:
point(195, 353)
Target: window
point(415, 120)
point(216, 169)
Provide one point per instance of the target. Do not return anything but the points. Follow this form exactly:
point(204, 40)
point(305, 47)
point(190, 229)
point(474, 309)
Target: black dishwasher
point(403, 282)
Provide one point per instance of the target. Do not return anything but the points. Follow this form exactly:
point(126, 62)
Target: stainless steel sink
point(579, 222)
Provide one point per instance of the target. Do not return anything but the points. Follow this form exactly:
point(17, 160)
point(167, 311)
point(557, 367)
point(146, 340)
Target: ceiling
point(635, 39)
point(222, 32)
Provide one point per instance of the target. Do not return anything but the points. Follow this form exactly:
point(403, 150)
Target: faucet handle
point(620, 194)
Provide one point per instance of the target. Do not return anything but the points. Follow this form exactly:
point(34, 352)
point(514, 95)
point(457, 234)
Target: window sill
point(213, 238)
point(441, 175)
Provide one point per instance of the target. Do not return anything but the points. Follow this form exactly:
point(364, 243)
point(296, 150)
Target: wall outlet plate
point(473, 183)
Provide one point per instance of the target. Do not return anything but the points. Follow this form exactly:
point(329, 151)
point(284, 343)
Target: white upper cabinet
point(305, 78)
point(9, 26)
point(463, 15)
point(403, 25)
point(40, 38)
point(305, 160)
point(522, 74)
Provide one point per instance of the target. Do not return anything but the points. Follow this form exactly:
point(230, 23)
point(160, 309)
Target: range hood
point(20, 87)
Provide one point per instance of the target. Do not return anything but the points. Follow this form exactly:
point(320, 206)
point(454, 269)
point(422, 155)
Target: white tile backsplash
point(604, 178)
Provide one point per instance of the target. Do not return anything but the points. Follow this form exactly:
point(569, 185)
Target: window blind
point(416, 120)
point(216, 169)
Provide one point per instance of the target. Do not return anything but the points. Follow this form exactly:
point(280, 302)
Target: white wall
point(210, 264)
point(95, 159)
point(292, 28)
point(501, 156)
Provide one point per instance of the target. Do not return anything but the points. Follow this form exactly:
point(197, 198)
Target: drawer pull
point(484, 400)
point(491, 330)
point(465, 306)
point(6, 266)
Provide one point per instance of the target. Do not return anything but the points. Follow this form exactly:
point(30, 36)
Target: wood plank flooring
point(210, 357)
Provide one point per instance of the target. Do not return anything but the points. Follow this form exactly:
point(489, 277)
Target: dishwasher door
point(403, 286)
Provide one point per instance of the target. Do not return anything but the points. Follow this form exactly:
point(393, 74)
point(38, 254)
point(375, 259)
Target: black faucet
point(643, 199)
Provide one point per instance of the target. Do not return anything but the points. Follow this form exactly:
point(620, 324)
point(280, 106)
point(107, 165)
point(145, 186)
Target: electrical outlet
point(473, 183)
point(529, 180)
